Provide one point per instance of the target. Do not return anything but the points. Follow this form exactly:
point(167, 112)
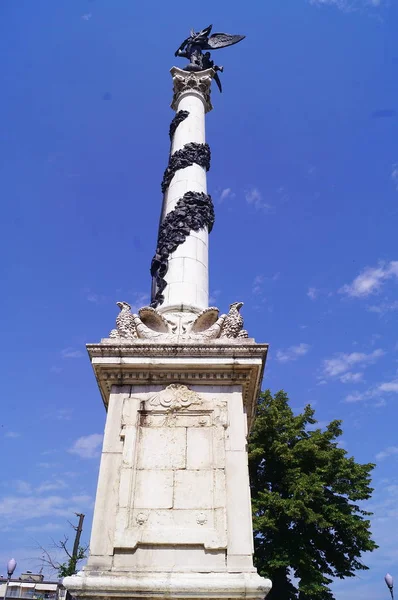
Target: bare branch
point(62, 545)
point(73, 526)
point(47, 559)
point(68, 566)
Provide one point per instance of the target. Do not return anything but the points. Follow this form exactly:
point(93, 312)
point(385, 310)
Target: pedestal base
point(172, 516)
point(168, 585)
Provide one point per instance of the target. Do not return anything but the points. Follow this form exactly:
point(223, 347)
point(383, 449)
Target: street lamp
point(12, 563)
point(390, 584)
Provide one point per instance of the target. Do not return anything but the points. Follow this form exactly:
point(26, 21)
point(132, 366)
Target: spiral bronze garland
point(191, 154)
point(180, 116)
point(193, 212)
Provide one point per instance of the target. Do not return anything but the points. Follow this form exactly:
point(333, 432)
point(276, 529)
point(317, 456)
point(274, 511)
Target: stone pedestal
point(172, 515)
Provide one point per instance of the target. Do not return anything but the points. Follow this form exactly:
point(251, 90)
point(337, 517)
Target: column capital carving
point(192, 82)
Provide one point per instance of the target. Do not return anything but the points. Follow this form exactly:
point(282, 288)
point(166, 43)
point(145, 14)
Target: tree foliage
point(308, 524)
point(69, 566)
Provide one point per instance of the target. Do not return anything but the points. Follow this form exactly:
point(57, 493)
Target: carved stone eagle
point(125, 326)
point(233, 322)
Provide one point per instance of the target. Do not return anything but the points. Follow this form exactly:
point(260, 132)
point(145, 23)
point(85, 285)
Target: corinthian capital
point(192, 82)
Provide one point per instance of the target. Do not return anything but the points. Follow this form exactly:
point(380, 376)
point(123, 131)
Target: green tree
point(308, 526)
point(69, 566)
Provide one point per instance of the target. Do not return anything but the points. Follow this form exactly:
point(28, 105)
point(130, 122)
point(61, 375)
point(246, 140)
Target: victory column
point(180, 383)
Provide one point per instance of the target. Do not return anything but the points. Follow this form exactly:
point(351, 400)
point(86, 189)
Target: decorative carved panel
point(175, 474)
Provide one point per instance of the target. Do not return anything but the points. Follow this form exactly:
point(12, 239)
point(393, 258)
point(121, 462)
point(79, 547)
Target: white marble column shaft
point(188, 274)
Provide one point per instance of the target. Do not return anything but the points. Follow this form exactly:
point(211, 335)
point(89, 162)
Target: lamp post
point(390, 584)
point(12, 563)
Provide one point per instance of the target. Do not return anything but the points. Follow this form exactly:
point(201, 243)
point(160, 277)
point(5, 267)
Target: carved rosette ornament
point(141, 518)
point(192, 82)
point(175, 396)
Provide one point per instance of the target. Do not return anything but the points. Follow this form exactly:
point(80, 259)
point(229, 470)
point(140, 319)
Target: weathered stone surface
point(193, 489)
point(154, 489)
point(200, 446)
point(162, 448)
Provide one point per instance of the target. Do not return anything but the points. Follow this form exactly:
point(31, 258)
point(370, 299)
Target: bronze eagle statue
point(192, 48)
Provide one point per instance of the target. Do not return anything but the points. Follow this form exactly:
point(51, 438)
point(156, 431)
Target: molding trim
point(195, 586)
point(156, 364)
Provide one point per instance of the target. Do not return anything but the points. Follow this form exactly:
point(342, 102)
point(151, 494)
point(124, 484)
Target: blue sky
point(305, 183)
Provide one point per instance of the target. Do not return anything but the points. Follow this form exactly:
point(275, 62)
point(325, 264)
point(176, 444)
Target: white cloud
point(389, 386)
point(254, 197)
point(380, 403)
point(214, 294)
point(387, 452)
point(357, 396)
point(348, 5)
point(344, 5)
point(47, 465)
point(377, 392)
point(88, 446)
point(341, 364)
point(139, 300)
point(260, 279)
point(63, 414)
point(94, 298)
point(370, 280)
point(351, 377)
point(20, 508)
point(312, 293)
point(292, 353)
point(226, 193)
point(22, 487)
point(12, 434)
point(338, 3)
point(87, 16)
point(71, 353)
point(83, 499)
point(49, 486)
point(384, 307)
point(45, 527)
point(257, 284)
point(394, 175)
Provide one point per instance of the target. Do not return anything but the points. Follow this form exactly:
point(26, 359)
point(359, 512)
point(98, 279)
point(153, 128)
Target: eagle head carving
point(123, 305)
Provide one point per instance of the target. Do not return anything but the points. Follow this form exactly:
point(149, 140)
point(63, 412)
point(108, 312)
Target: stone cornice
point(231, 348)
point(191, 364)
